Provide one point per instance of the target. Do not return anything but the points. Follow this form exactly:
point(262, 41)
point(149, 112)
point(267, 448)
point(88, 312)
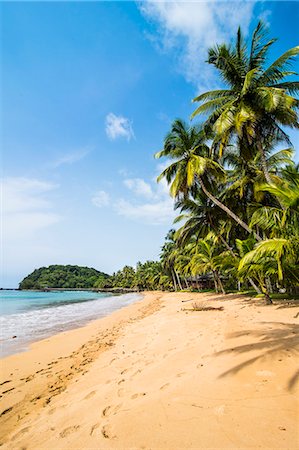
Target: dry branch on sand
point(196, 306)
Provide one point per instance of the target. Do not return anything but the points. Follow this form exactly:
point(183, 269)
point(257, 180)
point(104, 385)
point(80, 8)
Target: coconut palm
point(192, 166)
point(258, 101)
point(278, 255)
point(206, 260)
point(168, 256)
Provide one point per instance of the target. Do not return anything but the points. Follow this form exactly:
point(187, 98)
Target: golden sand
point(156, 375)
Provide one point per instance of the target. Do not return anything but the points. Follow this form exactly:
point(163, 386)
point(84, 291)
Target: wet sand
point(158, 375)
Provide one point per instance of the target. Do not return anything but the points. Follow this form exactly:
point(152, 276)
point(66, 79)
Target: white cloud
point(146, 201)
point(101, 198)
point(154, 213)
point(190, 28)
point(118, 126)
point(24, 194)
point(70, 158)
point(157, 208)
point(25, 208)
point(139, 187)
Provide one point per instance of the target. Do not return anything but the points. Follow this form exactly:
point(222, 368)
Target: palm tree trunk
point(186, 282)
point(179, 281)
point(174, 282)
point(228, 211)
point(264, 163)
point(220, 282)
point(226, 244)
point(215, 282)
point(255, 287)
point(265, 291)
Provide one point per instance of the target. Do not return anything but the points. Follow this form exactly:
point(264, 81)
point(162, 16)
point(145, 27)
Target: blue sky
point(89, 91)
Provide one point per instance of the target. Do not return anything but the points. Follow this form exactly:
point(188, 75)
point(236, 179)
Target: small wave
point(39, 323)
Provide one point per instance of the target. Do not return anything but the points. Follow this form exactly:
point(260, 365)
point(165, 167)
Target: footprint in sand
point(106, 432)
point(91, 394)
point(121, 392)
point(112, 360)
point(69, 430)
point(93, 428)
point(135, 373)
point(141, 394)
point(109, 410)
point(20, 433)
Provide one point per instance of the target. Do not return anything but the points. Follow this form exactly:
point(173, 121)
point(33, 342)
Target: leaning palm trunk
point(179, 281)
point(255, 287)
point(228, 211)
point(267, 295)
point(186, 282)
point(265, 290)
point(174, 282)
point(219, 282)
point(215, 281)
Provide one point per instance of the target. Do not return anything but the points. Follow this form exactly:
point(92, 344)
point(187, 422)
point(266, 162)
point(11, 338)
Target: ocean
point(27, 316)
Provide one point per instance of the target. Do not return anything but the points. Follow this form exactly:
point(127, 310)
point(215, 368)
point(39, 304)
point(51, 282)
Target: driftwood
point(202, 307)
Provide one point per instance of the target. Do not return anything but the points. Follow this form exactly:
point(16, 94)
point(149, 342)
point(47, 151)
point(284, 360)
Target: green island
point(62, 276)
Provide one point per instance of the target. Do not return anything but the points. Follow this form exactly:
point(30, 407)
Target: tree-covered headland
point(59, 276)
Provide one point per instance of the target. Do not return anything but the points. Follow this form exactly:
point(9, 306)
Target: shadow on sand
point(272, 342)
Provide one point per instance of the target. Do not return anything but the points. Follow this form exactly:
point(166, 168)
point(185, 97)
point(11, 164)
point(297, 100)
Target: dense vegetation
point(57, 276)
point(236, 188)
point(237, 195)
point(146, 276)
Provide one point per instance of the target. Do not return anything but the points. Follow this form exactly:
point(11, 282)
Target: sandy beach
point(157, 375)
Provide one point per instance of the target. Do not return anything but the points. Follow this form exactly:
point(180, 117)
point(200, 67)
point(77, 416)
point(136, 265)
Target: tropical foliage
point(146, 276)
point(237, 195)
point(58, 276)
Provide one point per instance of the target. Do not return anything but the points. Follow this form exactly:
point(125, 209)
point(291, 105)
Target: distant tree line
point(146, 276)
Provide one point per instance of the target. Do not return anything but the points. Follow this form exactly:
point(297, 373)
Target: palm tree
point(206, 260)
point(192, 166)
point(257, 102)
point(168, 258)
point(278, 255)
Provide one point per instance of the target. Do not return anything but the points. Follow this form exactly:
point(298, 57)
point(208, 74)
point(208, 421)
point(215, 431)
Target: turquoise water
point(27, 316)
point(13, 302)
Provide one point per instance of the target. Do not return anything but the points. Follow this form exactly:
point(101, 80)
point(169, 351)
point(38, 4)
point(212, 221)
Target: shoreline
point(154, 374)
point(20, 342)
